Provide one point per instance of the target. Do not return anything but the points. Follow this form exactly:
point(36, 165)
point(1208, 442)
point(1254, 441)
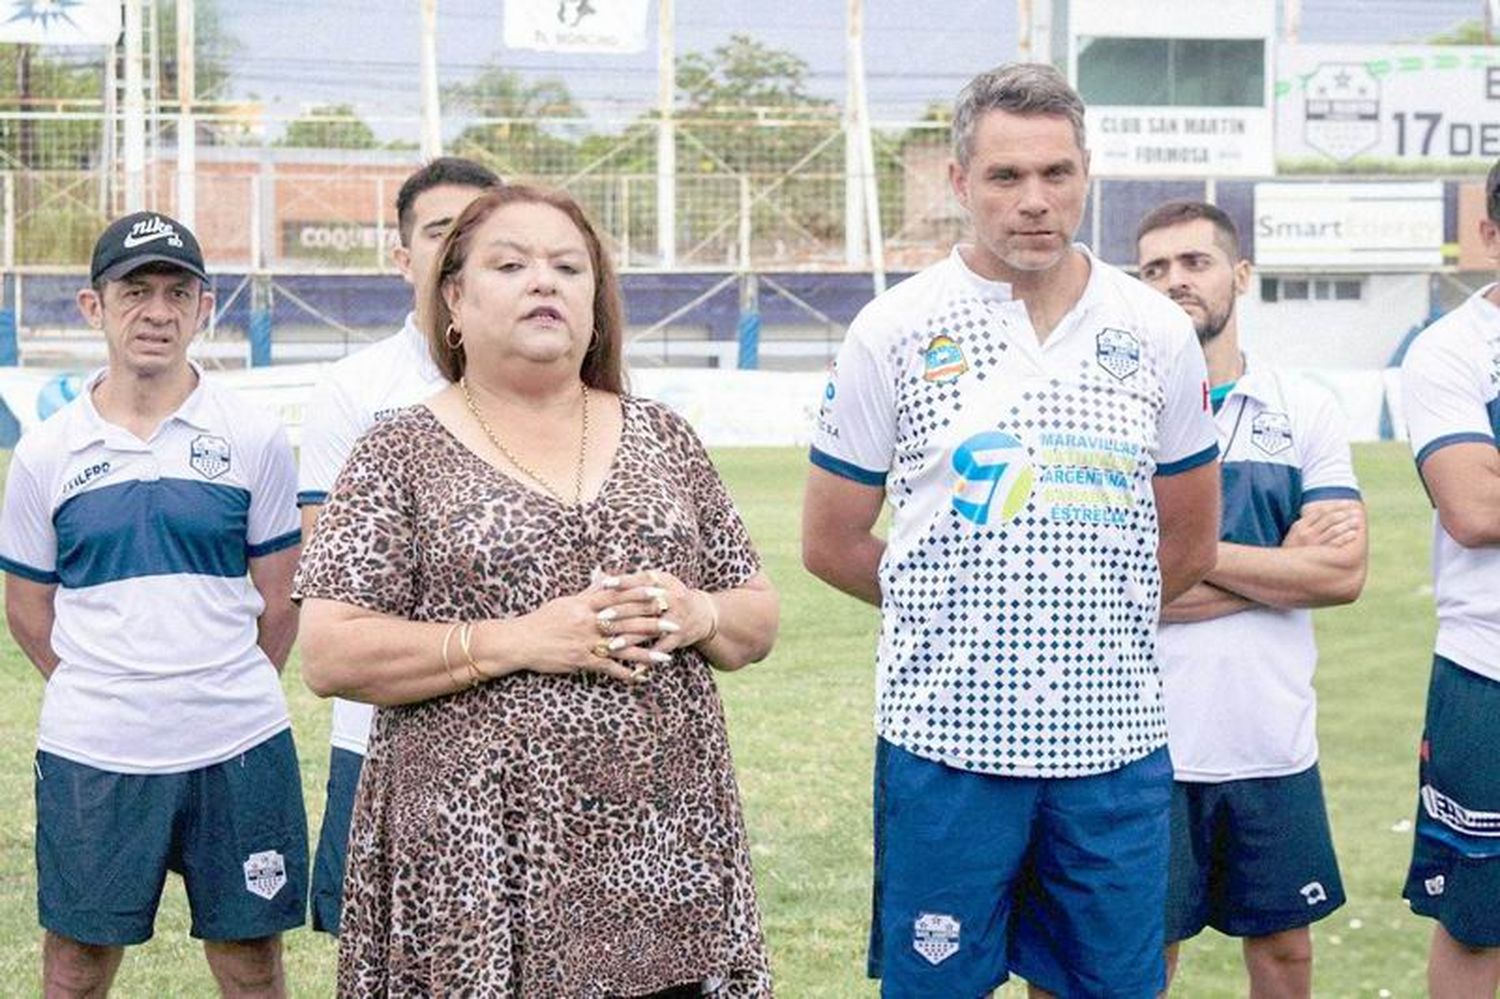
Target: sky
point(293, 53)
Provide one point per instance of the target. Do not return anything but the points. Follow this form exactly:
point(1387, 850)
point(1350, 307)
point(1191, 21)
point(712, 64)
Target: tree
point(1465, 33)
point(511, 132)
point(751, 128)
point(745, 75)
point(213, 47)
point(329, 126)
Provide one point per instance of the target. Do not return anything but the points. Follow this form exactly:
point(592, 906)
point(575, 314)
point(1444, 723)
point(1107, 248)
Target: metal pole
point(866, 147)
point(108, 134)
point(1291, 19)
point(666, 136)
point(854, 202)
point(432, 114)
point(135, 111)
point(1023, 31)
point(187, 127)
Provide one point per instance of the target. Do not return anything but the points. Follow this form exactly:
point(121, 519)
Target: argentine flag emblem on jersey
point(993, 468)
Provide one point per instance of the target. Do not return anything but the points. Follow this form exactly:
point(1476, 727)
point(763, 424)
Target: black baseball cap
point(144, 238)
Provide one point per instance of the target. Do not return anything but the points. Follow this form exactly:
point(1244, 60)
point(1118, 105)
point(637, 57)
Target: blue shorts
point(1251, 857)
point(1061, 880)
point(235, 831)
point(333, 840)
point(1455, 864)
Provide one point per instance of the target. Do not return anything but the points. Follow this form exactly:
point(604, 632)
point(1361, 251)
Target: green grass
point(801, 727)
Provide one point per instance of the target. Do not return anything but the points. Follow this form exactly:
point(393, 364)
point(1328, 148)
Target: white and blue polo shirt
point(1450, 393)
point(1020, 584)
point(356, 392)
point(1240, 699)
point(149, 543)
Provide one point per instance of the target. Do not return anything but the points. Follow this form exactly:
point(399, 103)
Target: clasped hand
point(621, 626)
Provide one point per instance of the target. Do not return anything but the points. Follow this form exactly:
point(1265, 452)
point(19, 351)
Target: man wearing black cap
point(1450, 391)
point(149, 533)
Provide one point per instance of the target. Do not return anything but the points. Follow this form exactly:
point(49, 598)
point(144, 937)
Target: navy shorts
point(235, 831)
point(1251, 857)
point(333, 840)
point(1455, 864)
point(1060, 880)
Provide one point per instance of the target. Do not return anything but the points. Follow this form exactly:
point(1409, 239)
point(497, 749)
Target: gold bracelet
point(447, 663)
point(465, 639)
point(713, 619)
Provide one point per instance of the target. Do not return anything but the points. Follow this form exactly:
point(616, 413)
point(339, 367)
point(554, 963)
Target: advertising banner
point(1347, 104)
point(1362, 226)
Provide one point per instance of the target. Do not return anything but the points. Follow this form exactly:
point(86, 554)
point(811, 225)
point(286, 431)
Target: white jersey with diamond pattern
point(1020, 585)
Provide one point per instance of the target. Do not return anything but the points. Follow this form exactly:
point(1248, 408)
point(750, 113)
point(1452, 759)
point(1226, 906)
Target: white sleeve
point(1185, 431)
point(28, 543)
point(1444, 397)
point(329, 431)
point(1327, 468)
point(274, 523)
point(856, 430)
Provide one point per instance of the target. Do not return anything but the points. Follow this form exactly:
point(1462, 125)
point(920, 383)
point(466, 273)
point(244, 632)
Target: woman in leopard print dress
point(532, 574)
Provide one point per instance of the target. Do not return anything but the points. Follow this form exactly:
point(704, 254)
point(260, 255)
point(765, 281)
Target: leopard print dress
point(540, 835)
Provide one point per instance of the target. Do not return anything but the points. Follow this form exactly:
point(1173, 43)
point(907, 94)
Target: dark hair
point(603, 363)
point(444, 170)
point(1171, 213)
point(1492, 193)
point(1023, 88)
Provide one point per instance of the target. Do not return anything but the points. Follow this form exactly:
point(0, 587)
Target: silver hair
point(1022, 88)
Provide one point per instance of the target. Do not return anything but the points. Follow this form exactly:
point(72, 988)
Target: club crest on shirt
point(934, 935)
point(209, 455)
point(1271, 432)
point(1119, 352)
point(1314, 893)
point(943, 360)
point(265, 873)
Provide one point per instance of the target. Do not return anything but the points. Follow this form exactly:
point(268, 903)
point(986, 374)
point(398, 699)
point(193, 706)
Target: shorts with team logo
point(333, 840)
point(1455, 864)
point(1059, 880)
point(1251, 857)
point(236, 832)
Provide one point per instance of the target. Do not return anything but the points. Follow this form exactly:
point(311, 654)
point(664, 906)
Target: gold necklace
point(522, 467)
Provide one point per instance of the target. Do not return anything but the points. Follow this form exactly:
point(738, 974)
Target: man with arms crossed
point(1252, 855)
point(364, 387)
point(1037, 421)
point(149, 534)
point(1450, 390)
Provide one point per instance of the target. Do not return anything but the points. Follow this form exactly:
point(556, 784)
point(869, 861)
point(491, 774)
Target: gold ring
point(661, 605)
point(606, 628)
point(600, 650)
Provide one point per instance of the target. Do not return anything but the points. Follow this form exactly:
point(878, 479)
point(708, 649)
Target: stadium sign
point(1351, 103)
point(1180, 142)
point(1365, 227)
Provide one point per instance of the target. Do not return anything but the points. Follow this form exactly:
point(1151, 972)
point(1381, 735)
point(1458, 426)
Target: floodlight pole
point(187, 128)
point(666, 136)
point(135, 110)
point(859, 112)
point(432, 132)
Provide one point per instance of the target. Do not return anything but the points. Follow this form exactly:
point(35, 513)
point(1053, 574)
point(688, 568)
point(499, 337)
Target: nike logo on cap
point(132, 241)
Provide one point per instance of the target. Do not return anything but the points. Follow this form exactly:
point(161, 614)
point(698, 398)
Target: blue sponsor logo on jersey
point(993, 467)
point(943, 361)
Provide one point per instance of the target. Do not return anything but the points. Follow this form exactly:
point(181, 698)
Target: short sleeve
point(363, 552)
point(1444, 396)
point(1327, 467)
point(856, 428)
point(28, 543)
point(729, 557)
point(331, 427)
point(273, 523)
point(1186, 435)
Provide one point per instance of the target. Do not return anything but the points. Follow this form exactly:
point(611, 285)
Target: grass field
point(800, 724)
